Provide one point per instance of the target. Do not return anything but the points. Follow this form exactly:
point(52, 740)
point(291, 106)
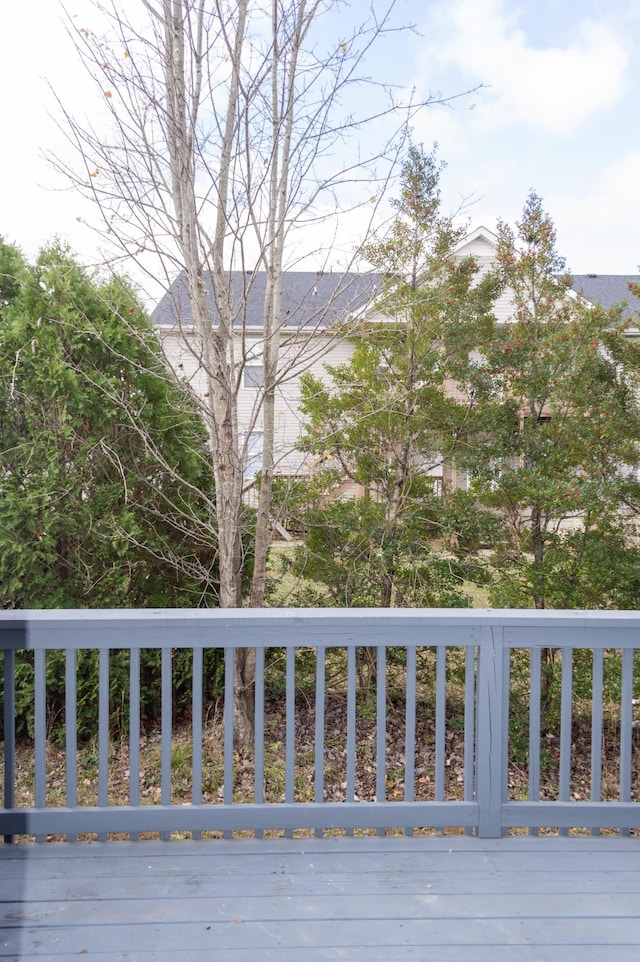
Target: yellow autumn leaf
point(127, 55)
point(94, 173)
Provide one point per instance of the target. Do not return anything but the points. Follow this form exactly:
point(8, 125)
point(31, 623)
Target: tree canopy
point(106, 497)
point(539, 414)
point(386, 422)
point(555, 452)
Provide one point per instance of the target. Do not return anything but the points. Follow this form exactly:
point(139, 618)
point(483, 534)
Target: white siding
point(310, 351)
point(182, 353)
point(481, 246)
point(325, 350)
point(311, 355)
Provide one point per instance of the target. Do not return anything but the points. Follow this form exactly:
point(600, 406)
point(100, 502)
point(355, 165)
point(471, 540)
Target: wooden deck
point(433, 899)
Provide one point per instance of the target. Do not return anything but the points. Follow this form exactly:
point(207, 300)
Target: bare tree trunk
point(537, 545)
point(282, 120)
point(221, 139)
point(548, 654)
point(217, 341)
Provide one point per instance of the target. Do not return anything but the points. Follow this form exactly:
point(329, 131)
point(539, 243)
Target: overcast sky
point(558, 113)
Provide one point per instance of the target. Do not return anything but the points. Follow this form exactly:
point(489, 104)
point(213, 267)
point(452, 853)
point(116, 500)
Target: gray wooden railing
point(468, 676)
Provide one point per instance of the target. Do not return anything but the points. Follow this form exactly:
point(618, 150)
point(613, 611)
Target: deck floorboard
point(438, 898)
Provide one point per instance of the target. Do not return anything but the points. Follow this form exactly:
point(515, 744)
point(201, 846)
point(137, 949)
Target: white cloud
point(556, 88)
point(605, 220)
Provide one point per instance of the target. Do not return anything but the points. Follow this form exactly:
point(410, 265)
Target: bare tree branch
point(234, 131)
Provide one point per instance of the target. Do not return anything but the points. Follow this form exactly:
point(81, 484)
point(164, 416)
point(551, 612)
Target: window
point(253, 376)
point(253, 462)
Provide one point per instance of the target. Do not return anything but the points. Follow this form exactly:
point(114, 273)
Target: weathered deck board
point(452, 898)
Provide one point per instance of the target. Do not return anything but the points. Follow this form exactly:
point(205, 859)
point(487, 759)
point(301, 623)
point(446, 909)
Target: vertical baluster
point(351, 727)
point(596, 729)
point(319, 735)
point(9, 731)
point(134, 733)
point(410, 732)
point(258, 785)
point(290, 737)
point(166, 731)
point(227, 791)
point(196, 732)
point(441, 721)
point(626, 728)
point(103, 733)
point(381, 729)
point(506, 701)
point(40, 731)
point(566, 699)
point(535, 704)
point(71, 741)
point(469, 725)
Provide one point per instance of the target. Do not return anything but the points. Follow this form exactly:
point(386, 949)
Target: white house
point(607, 289)
point(318, 311)
point(318, 308)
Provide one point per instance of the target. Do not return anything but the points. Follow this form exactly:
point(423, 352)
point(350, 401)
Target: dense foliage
point(104, 477)
point(386, 423)
point(556, 452)
point(539, 416)
point(105, 490)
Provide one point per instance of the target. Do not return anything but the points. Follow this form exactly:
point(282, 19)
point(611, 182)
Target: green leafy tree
point(12, 273)
point(105, 490)
point(388, 420)
point(555, 452)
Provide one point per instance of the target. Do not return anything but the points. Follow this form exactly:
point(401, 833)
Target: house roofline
point(479, 233)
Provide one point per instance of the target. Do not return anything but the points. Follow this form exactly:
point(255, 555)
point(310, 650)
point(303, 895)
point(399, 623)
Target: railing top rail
point(439, 616)
point(261, 628)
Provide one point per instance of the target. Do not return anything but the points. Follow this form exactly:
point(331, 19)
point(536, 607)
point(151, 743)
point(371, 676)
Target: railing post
point(490, 740)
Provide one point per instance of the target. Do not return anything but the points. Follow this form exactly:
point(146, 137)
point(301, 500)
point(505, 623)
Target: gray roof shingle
point(309, 299)
point(313, 299)
point(608, 289)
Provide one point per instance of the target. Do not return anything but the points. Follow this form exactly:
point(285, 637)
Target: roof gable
point(480, 243)
point(606, 289)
